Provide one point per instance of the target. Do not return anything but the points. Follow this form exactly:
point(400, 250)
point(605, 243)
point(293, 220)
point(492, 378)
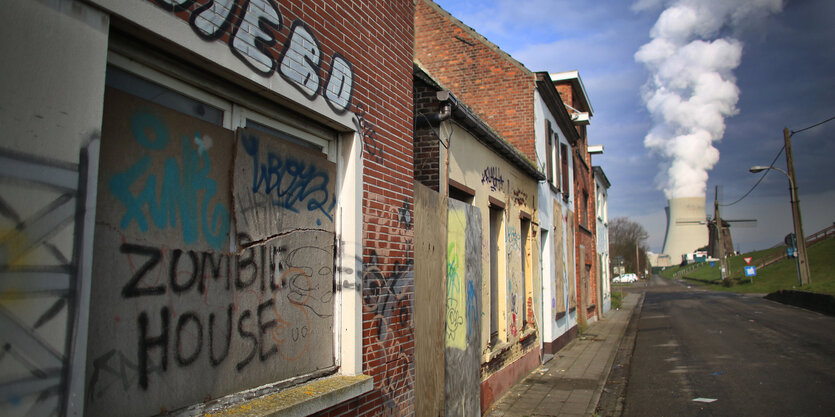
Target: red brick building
point(573, 93)
point(493, 84)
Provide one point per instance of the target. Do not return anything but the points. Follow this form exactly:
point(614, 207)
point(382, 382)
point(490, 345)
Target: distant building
point(659, 260)
point(573, 93)
point(602, 185)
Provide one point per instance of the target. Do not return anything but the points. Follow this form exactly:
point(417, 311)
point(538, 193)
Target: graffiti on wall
point(462, 342)
point(171, 303)
point(250, 28)
point(514, 240)
point(184, 197)
point(280, 324)
point(369, 135)
point(514, 329)
point(456, 302)
point(520, 197)
point(404, 215)
point(493, 178)
point(387, 295)
point(280, 185)
point(41, 204)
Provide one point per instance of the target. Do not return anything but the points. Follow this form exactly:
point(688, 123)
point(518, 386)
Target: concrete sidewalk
point(570, 384)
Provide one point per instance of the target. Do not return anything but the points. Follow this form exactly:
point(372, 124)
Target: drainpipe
point(446, 112)
point(435, 119)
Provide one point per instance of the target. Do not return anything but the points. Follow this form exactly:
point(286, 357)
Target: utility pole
point(802, 260)
point(718, 220)
point(637, 261)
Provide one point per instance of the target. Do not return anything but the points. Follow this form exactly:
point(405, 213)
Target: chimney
point(686, 227)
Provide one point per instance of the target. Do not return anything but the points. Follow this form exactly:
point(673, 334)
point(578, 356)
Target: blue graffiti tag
point(493, 177)
point(452, 269)
point(472, 309)
point(179, 197)
point(291, 180)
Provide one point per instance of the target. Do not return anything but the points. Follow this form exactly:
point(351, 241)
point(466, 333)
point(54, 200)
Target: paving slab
point(571, 382)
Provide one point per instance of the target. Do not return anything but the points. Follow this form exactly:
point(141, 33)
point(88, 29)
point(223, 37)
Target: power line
point(775, 160)
point(759, 180)
point(814, 125)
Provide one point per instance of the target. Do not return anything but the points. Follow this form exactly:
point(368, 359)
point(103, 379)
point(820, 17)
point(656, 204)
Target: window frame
point(565, 169)
point(498, 276)
point(341, 147)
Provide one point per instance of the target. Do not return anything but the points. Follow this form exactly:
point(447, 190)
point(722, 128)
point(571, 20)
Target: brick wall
point(368, 44)
point(427, 146)
point(583, 183)
point(496, 87)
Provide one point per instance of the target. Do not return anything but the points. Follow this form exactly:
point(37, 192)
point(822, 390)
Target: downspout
point(435, 119)
point(446, 112)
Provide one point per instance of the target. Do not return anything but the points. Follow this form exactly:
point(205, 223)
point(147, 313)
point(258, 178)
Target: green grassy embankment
point(777, 276)
point(617, 299)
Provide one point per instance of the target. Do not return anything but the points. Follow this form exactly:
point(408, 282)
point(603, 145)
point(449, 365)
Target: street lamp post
point(801, 261)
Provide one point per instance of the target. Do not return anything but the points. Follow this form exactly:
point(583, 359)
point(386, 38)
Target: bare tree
point(628, 240)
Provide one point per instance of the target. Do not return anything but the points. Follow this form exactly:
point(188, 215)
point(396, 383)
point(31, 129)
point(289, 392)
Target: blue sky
point(786, 78)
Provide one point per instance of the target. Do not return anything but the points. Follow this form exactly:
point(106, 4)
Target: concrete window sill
point(526, 334)
point(495, 351)
point(301, 400)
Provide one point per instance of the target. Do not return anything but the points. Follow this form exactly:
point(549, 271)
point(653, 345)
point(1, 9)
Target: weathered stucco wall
point(491, 176)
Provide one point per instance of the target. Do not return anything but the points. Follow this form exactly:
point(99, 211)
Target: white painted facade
point(553, 327)
point(602, 195)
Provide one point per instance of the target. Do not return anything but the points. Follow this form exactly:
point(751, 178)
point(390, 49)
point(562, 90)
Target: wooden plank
point(560, 272)
point(463, 309)
point(572, 277)
point(430, 297)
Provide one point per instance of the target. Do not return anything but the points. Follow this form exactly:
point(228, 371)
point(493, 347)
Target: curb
point(595, 399)
point(821, 303)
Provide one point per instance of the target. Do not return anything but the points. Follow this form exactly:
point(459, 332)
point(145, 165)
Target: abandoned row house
point(296, 208)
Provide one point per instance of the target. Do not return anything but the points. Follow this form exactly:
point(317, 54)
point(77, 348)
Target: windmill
point(720, 243)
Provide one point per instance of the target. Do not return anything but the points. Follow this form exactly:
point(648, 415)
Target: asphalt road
point(746, 355)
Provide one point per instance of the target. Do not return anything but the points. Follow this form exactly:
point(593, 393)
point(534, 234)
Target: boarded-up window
point(180, 310)
point(496, 273)
point(549, 146)
point(555, 150)
point(564, 158)
point(524, 229)
point(561, 270)
point(572, 284)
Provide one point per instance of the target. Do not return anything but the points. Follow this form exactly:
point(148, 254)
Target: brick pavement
point(570, 384)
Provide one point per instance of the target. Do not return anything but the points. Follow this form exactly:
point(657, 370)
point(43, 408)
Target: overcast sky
point(785, 77)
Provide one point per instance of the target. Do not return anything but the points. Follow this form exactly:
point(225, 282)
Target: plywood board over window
point(572, 282)
point(179, 310)
point(560, 270)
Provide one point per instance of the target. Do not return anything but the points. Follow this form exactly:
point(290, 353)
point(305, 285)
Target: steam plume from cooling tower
point(692, 88)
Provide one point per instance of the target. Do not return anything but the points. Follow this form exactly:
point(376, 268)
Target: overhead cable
point(759, 180)
point(814, 125)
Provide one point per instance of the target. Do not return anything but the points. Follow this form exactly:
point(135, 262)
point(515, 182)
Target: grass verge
point(617, 299)
point(778, 276)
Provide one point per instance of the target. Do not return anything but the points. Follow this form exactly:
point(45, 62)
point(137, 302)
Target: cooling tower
point(686, 228)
